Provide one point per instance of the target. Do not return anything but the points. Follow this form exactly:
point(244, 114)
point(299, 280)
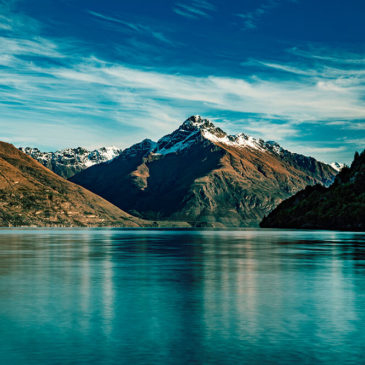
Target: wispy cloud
point(358, 142)
point(135, 27)
point(36, 46)
point(91, 86)
point(327, 77)
point(252, 17)
point(356, 125)
point(46, 86)
point(18, 23)
point(5, 23)
point(336, 56)
point(195, 9)
point(313, 99)
point(322, 150)
point(291, 100)
point(311, 150)
point(269, 130)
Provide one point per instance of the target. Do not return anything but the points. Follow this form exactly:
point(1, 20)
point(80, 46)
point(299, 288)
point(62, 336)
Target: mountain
point(31, 194)
point(340, 206)
point(337, 166)
point(70, 161)
point(202, 175)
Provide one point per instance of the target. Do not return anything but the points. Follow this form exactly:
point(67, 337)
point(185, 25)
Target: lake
point(112, 296)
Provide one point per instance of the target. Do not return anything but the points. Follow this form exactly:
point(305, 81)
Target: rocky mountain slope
point(31, 194)
point(70, 161)
point(340, 206)
point(201, 175)
point(337, 166)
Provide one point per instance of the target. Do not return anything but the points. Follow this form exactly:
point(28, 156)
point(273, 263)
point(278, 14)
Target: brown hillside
point(201, 175)
point(30, 194)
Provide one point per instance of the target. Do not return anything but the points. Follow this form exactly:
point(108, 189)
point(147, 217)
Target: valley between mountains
point(196, 176)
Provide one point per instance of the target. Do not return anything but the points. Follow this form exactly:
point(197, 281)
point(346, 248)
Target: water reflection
point(113, 296)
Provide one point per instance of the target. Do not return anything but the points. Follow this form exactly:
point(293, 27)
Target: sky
point(97, 73)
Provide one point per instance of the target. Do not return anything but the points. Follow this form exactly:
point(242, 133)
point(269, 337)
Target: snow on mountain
point(195, 126)
point(173, 144)
point(69, 161)
point(190, 132)
point(337, 166)
point(201, 175)
point(195, 129)
point(239, 140)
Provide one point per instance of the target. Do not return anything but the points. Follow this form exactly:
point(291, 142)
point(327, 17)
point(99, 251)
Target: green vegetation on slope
point(341, 206)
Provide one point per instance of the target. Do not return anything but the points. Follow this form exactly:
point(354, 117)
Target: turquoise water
point(109, 296)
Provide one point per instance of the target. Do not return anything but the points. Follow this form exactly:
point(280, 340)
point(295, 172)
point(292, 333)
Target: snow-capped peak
point(197, 127)
point(197, 123)
point(79, 156)
point(238, 140)
point(194, 120)
point(183, 137)
point(337, 166)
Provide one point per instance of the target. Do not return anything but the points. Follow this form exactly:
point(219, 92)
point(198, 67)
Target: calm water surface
point(181, 297)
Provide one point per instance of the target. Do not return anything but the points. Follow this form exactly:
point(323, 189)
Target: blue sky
point(94, 73)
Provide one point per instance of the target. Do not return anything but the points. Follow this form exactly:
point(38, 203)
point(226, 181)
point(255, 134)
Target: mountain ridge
point(69, 161)
point(200, 174)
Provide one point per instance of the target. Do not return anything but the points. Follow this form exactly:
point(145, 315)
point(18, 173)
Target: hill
point(340, 206)
point(32, 195)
